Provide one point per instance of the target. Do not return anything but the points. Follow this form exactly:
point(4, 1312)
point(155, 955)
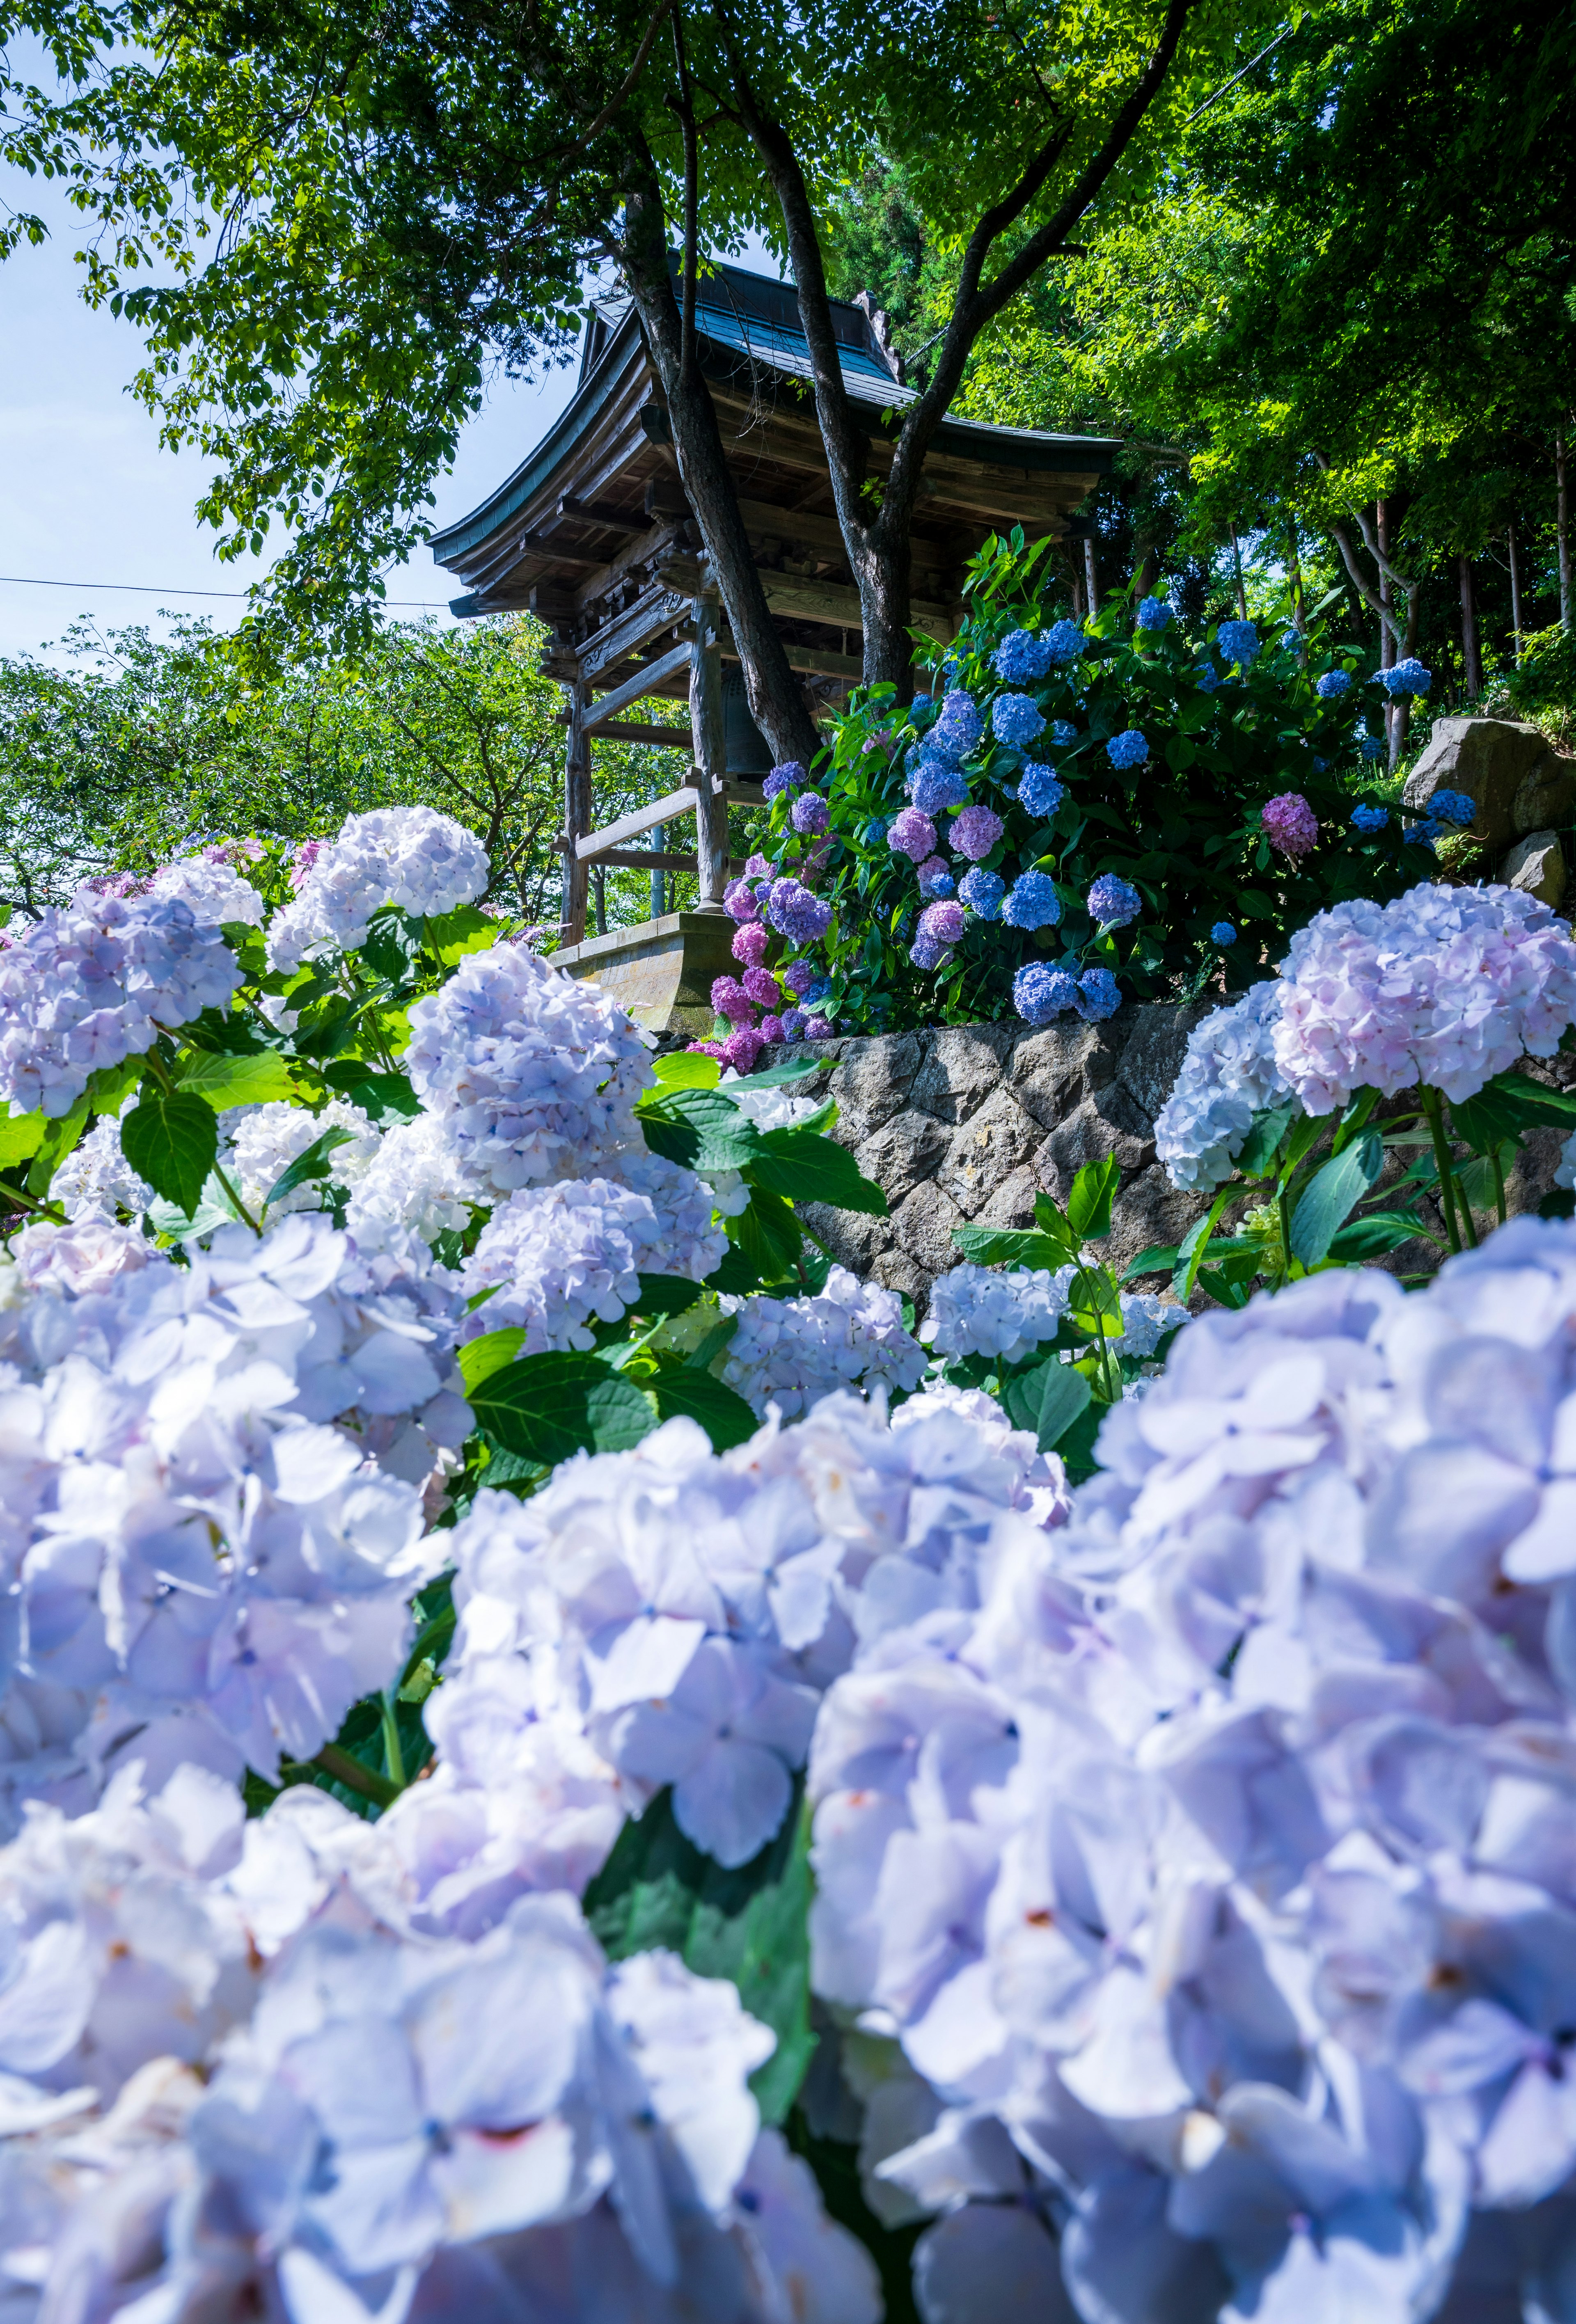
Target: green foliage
point(547, 1408)
point(171, 1140)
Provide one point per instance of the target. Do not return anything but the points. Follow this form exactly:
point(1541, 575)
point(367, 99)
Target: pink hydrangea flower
point(974, 833)
point(762, 988)
point(305, 856)
point(912, 835)
point(731, 999)
point(942, 922)
point(1291, 825)
point(742, 1048)
point(750, 944)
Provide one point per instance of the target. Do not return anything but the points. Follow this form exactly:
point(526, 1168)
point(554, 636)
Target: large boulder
point(1536, 864)
point(1505, 767)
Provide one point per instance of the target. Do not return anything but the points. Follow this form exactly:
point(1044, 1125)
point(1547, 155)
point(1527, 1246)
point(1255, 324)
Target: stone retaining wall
point(966, 1123)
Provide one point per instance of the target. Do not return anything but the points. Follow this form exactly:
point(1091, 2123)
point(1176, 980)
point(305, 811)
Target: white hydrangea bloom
point(90, 983)
point(96, 1179)
point(412, 857)
point(410, 1191)
point(533, 1075)
point(790, 1352)
point(212, 887)
point(769, 1108)
point(1229, 1074)
point(258, 1143)
point(978, 1311)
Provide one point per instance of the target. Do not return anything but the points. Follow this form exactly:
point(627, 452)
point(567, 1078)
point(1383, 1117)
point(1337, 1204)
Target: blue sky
point(88, 495)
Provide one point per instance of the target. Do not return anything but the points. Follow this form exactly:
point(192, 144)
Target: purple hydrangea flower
point(912, 833)
point(936, 784)
point(1154, 613)
point(1334, 684)
point(750, 944)
point(942, 922)
point(935, 879)
point(1021, 658)
point(731, 998)
point(1369, 818)
point(1017, 719)
point(772, 1028)
point(983, 892)
point(1032, 901)
point(819, 1028)
point(1039, 792)
point(742, 1048)
point(929, 953)
point(1064, 641)
point(1223, 932)
point(797, 915)
point(794, 1022)
point(1040, 993)
point(789, 776)
point(810, 814)
point(1099, 995)
point(1112, 902)
point(958, 729)
point(762, 988)
point(798, 976)
point(975, 831)
point(1128, 749)
point(1239, 642)
point(739, 901)
point(1291, 825)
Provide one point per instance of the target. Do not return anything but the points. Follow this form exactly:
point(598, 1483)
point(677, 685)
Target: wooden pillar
point(577, 812)
point(658, 842)
point(705, 720)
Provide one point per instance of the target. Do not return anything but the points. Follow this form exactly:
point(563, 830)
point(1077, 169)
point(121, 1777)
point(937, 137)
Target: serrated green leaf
point(20, 1135)
point(1047, 1400)
point(1331, 1195)
point(769, 1234)
point(1089, 1202)
point(172, 1141)
point(807, 1168)
point(720, 1410)
point(1382, 1230)
point(752, 1926)
point(1256, 1159)
point(451, 934)
point(665, 1294)
point(109, 1088)
point(1009, 1247)
point(480, 1358)
point(259, 1078)
point(1159, 1259)
point(308, 1169)
point(392, 943)
point(737, 1274)
point(1190, 1250)
point(791, 1069)
point(687, 1069)
point(548, 1408)
point(699, 1127)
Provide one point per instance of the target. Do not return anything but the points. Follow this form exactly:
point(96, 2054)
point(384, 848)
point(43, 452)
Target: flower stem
point(237, 1206)
point(1499, 1184)
point(1283, 1213)
point(1447, 1196)
point(394, 1756)
point(350, 1772)
point(27, 1203)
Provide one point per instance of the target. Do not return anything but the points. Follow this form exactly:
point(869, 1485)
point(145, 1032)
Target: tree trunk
point(1472, 659)
point(1562, 528)
point(576, 814)
point(1241, 589)
point(1394, 711)
point(1090, 576)
point(1515, 592)
point(777, 702)
point(1295, 568)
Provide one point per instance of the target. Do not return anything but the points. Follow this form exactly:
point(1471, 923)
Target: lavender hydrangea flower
point(975, 831)
point(800, 976)
point(1040, 993)
point(819, 1028)
point(1369, 818)
point(959, 726)
point(797, 915)
point(1064, 641)
point(1032, 902)
point(935, 879)
point(1017, 719)
point(1039, 792)
point(1112, 903)
point(1022, 658)
point(983, 892)
point(942, 922)
point(739, 901)
point(1407, 677)
point(810, 814)
point(929, 953)
point(794, 1022)
point(912, 833)
point(1154, 613)
point(1333, 685)
point(1291, 825)
point(789, 776)
point(935, 785)
point(1130, 749)
point(1099, 995)
point(1237, 642)
point(1222, 934)
point(1229, 1074)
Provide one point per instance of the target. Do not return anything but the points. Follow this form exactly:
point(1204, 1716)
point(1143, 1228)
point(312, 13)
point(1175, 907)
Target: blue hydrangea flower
point(1021, 658)
point(874, 834)
point(1063, 732)
point(1015, 719)
point(1371, 747)
point(1099, 995)
point(1320, 765)
point(1407, 677)
point(920, 705)
point(1040, 993)
point(789, 776)
point(1154, 613)
point(932, 884)
point(1291, 639)
point(1112, 902)
point(983, 892)
point(1206, 680)
point(1334, 684)
point(1130, 749)
point(926, 953)
point(816, 992)
point(1032, 901)
point(1039, 792)
point(1223, 933)
point(958, 729)
point(1369, 818)
point(1451, 806)
point(1239, 642)
point(937, 784)
point(1066, 640)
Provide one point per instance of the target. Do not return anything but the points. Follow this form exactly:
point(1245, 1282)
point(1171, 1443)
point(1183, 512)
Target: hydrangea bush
point(558, 1763)
point(1071, 813)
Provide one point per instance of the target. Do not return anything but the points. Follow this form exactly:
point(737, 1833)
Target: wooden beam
point(627, 730)
point(838, 602)
point(645, 858)
point(648, 675)
point(809, 661)
point(599, 513)
point(641, 818)
point(658, 609)
point(638, 551)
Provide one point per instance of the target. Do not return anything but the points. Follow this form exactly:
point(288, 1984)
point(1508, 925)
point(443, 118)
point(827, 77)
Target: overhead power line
point(145, 589)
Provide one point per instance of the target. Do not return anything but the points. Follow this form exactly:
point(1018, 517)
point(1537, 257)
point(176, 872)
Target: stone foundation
point(966, 1124)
